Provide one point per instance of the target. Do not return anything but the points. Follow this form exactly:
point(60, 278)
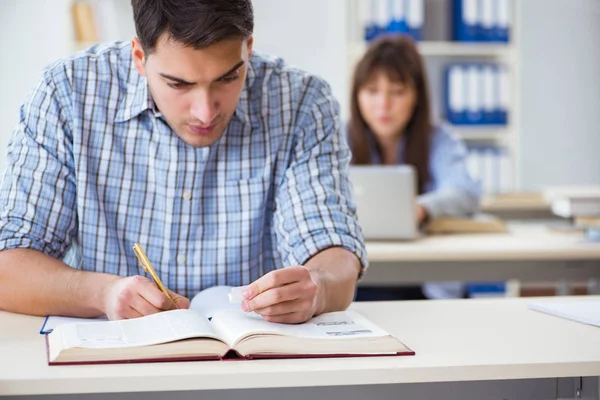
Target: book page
point(153, 329)
point(207, 302)
point(234, 325)
point(212, 300)
point(52, 321)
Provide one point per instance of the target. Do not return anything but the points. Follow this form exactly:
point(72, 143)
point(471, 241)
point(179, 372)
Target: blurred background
point(551, 64)
point(518, 80)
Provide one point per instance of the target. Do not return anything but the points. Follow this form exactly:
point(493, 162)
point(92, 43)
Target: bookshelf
point(438, 49)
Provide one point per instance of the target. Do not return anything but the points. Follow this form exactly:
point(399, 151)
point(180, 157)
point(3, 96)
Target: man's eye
point(177, 85)
point(229, 79)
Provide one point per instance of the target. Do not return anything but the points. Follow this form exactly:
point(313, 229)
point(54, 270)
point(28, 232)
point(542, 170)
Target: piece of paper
point(587, 312)
point(235, 295)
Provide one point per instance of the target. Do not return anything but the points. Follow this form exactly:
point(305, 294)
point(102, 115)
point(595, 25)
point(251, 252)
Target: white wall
point(560, 92)
point(310, 34)
point(32, 34)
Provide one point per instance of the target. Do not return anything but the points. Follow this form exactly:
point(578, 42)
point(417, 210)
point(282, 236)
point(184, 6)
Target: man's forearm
point(335, 270)
point(34, 283)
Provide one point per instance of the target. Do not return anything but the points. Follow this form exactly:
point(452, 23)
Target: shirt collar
point(137, 98)
point(242, 111)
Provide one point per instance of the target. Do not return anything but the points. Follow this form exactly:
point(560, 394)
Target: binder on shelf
point(371, 29)
point(491, 166)
point(486, 27)
point(477, 94)
point(465, 20)
point(398, 22)
point(501, 31)
point(503, 90)
point(455, 98)
point(490, 103)
point(415, 18)
point(382, 17)
point(474, 113)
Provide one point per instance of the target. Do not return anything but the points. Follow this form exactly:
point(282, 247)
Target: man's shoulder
point(99, 63)
point(273, 74)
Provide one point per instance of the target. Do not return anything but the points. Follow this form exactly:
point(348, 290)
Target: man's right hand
point(136, 296)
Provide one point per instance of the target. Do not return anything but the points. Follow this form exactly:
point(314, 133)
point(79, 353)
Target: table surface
point(525, 241)
point(455, 340)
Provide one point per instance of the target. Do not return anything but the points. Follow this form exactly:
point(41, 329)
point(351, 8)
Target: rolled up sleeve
point(314, 205)
point(38, 195)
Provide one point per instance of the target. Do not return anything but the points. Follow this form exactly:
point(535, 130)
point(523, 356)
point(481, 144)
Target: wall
point(560, 92)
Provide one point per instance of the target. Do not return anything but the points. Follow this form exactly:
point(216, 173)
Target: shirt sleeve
point(453, 191)
point(314, 205)
point(38, 195)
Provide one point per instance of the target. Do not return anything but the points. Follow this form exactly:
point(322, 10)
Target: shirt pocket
point(245, 198)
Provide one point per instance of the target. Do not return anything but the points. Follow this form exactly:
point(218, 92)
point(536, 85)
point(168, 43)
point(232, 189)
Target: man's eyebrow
point(176, 79)
point(184, 82)
point(235, 67)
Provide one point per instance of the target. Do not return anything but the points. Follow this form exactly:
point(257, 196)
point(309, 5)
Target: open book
point(180, 335)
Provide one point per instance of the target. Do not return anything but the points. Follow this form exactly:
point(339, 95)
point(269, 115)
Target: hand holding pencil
point(136, 296)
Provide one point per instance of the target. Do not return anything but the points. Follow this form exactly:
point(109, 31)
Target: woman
point(391, 124)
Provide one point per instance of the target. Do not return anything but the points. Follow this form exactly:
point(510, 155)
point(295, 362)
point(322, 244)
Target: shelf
point(496, 133)
point(448, 49)
point(464, 49)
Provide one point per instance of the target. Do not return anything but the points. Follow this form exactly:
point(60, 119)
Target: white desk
point(500, 343)
point(530, 251)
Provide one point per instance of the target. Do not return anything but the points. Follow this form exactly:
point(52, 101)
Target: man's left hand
point(288, 295)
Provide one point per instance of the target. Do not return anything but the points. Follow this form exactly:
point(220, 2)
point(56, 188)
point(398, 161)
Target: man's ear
point(138, 55)
point(249, 43)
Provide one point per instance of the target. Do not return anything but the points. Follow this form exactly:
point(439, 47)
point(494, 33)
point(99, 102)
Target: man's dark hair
point(193, 23)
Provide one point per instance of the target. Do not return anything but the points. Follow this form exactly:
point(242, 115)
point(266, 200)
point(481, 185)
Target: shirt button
point(187, 195)
point(181, 259)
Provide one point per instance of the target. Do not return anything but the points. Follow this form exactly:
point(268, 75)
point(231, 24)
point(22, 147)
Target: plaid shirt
point(93, 168)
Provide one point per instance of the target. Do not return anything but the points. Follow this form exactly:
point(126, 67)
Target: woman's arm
point(453, 192)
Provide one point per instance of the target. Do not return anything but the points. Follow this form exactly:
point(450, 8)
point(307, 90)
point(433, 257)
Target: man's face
point(196, 91)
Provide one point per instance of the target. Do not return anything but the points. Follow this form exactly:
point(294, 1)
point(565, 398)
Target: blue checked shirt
point(92, 168)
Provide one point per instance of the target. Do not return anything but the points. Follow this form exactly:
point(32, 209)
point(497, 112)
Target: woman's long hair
point(399, 59)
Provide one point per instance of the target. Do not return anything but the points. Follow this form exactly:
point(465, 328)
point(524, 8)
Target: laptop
point(386, 200)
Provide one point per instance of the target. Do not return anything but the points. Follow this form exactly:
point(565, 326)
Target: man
point(225, 167)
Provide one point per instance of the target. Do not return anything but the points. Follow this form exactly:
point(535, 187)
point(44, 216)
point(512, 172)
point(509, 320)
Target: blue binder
point(490, 99)
point(487, 14)
point(502, 92)
point(398, 24)
point(502, 21)
point(415, 17)
point(465, 20)
point(455, 94)
point(371, 28)
point(474, 101)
